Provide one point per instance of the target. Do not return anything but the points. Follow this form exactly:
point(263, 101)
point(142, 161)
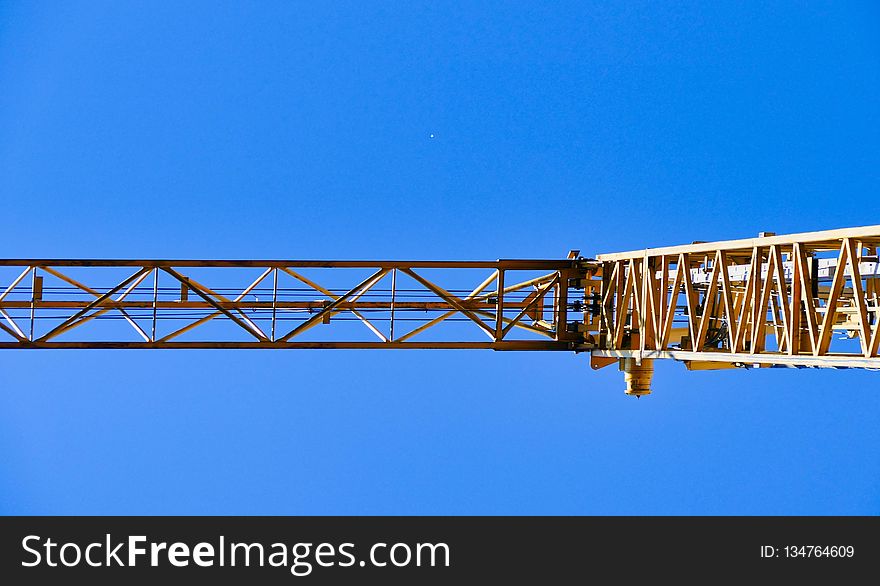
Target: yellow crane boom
point(800, 300)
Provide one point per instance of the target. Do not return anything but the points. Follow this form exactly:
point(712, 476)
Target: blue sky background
point(303, 130)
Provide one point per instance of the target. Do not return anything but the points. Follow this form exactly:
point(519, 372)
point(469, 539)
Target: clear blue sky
point(303, 130)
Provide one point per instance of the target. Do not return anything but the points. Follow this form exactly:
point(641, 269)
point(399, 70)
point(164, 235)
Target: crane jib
point(800, 300)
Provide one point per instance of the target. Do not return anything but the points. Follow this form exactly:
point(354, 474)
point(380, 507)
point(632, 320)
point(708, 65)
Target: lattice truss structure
point(501, 305)
point(799, 300)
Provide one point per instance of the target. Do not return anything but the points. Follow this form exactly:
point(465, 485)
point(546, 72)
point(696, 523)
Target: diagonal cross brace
point(330, 294)
point(17, 333)
point(208, 318)
point(363, 286)
point(66, 324)
point(207, 298)
point(539, 297)
point(91, 291)
point(451, 300)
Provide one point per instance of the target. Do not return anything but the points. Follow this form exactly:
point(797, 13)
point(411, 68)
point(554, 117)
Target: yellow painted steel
point(802, 300)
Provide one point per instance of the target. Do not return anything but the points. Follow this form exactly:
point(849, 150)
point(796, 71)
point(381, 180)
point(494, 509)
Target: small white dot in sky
point(431, 135)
